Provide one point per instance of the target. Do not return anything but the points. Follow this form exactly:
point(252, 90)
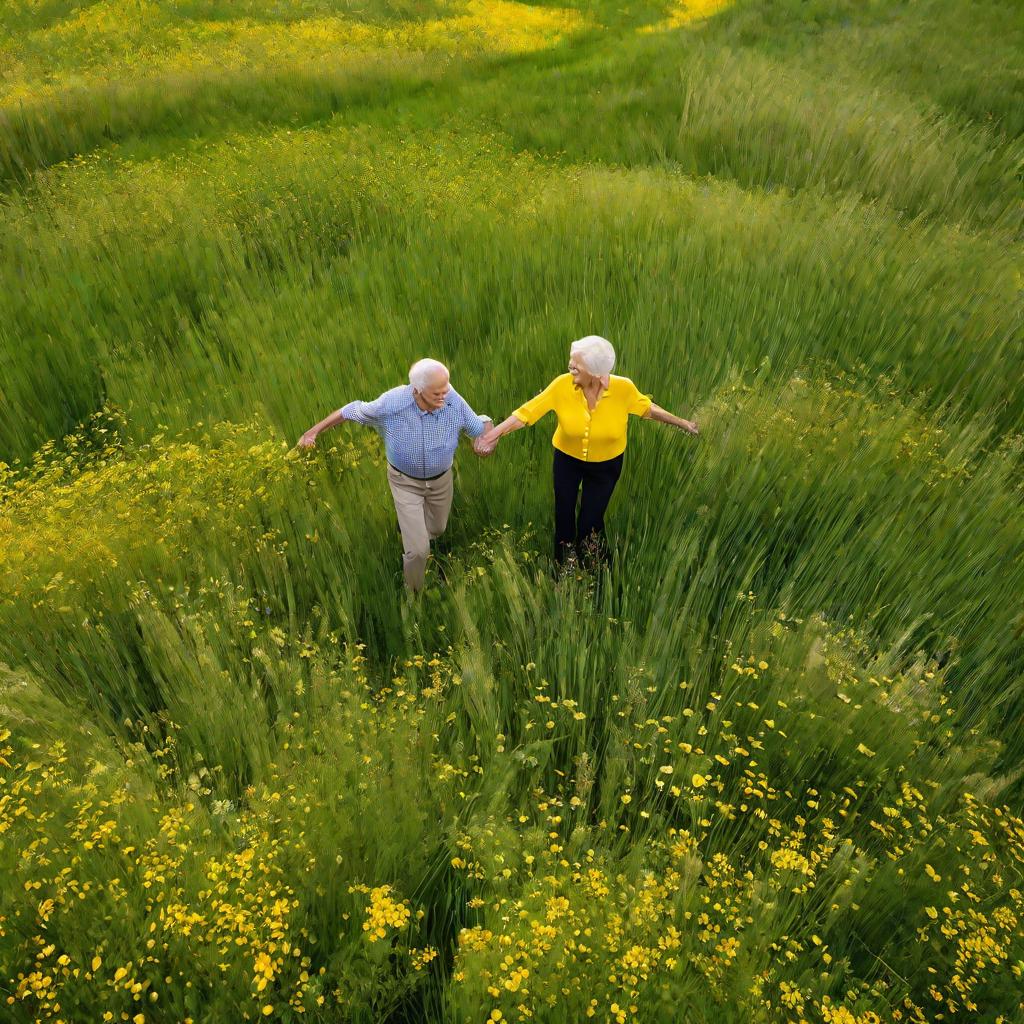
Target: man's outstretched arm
point(367, 413)
point(308, 439)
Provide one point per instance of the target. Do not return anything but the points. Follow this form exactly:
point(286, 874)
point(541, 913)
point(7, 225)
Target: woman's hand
point(690, 426)
point(485, 444)
point(308, 439)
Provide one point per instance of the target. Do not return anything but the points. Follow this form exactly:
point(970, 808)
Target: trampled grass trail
point(767, 769)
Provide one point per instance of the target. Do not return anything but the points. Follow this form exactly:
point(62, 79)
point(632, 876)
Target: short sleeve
point(538, 406)
point(637, 403)
point(472, 424)
point(367, 413)
point(371, 414)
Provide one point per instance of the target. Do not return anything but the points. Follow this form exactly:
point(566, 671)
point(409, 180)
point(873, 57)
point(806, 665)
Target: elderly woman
point(593, 408)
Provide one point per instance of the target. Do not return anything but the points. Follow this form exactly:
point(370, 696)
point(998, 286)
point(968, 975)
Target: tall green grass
point(765, 769)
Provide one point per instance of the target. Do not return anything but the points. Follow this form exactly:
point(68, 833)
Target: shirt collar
point(606, 383)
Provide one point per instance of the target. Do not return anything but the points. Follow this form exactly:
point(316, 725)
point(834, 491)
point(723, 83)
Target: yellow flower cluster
point(384, 913)
point(420, 958)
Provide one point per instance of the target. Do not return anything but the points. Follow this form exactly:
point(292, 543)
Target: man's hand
point(308, 439)
point(485, 444)
point(690, 426)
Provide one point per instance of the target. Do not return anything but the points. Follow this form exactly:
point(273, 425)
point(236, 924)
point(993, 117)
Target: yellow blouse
point(592, 436)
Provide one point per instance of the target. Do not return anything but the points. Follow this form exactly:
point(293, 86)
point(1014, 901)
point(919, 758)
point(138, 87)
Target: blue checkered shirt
point(417, 443)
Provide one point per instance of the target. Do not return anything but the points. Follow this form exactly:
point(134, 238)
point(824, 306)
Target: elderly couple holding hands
point(421, 423)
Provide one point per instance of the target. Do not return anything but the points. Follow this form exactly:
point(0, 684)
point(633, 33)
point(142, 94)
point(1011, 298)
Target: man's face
point(434, 394)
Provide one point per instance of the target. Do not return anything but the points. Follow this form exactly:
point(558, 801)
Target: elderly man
point(421, 422)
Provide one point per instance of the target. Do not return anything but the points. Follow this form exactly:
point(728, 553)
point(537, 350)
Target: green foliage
point(766, 769)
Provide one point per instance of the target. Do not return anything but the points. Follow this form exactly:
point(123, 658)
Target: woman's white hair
point(596, 352)
point(424, 372)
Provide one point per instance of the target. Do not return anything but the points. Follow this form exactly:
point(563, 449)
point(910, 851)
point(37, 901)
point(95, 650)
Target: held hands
point(485, 444)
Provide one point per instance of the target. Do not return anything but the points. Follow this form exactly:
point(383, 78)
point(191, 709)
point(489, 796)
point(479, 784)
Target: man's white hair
point(424, 372)
point(596, 353)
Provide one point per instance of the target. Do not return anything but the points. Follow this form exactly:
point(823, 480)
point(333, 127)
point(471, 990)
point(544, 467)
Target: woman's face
point(578, 371)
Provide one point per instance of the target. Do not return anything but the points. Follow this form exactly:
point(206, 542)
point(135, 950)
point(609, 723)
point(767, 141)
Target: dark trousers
point(582, 534)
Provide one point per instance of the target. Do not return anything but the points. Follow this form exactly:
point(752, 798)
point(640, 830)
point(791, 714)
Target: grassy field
point(768, 770)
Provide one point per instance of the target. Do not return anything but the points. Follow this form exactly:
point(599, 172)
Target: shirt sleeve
point(471, 423)
point(367, 413)
point(531, 411)
point(637, 403)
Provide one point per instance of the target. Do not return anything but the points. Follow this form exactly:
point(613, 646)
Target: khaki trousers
point(422, 507)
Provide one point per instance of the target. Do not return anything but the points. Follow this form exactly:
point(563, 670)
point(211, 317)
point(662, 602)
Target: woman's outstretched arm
point(660, 415)
point(486, 443)
point(527, 414)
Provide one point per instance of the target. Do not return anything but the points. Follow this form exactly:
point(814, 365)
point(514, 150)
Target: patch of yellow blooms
point(686, 12)
point(123, 39)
